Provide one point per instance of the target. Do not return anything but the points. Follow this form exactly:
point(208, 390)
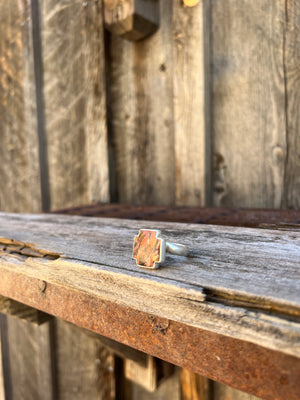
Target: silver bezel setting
point(162, 249)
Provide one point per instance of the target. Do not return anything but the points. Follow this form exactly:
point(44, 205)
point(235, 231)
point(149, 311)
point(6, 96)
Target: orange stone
point(146, 249)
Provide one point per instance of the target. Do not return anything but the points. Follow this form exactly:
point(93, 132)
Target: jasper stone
point(146, 248)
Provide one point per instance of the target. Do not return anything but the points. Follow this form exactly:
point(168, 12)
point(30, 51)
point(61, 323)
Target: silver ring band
point(177, 249)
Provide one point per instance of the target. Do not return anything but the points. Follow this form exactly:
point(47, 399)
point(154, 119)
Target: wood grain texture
point(21, 191)
point(142, 107)
point(194, 387)
point(248, 102)
point(191, 103)
point(234, 269)
point(144, 375)
point(122, 351)
point(19, 167)
point(75, 110)
point(19, 310)
point(30, 360)
point(246, 217)
point(5, 359)
point(223, 392)
point(131, 19)
point(2, 389)
point(85, 367)
point(99, 284)
point(169, 389)
point(149, 374)
point(291, 62)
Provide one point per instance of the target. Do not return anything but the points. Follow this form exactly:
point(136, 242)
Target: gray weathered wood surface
point(2, 390)
point(141, 89)
point(191, 80)
point(249, 101)
point(156, 128)
point(30, 359)
point(194, 387)
point(75, 101)
point(223, 392)
point(255, 84)
point(226, 285)
point(85, 366)
point(19, 310)
point(19, 169)
point(20, 184)
point(291, 60)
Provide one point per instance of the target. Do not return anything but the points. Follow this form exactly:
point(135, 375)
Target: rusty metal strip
point(201, 215)
point(243, 365)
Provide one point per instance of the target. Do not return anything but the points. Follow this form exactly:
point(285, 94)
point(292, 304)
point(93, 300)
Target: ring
point(149, 250)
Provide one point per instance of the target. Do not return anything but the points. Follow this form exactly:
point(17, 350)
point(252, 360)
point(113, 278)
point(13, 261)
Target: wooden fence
point(203, 112)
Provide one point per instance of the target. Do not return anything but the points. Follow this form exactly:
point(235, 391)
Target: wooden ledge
point(230, 311)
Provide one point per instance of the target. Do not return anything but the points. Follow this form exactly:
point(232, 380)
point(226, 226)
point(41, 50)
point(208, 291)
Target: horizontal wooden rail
point(254, 217)
point(229, 311)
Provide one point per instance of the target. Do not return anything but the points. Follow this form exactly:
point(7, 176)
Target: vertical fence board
point(192, 131)
point(160, 116)
point(168, 390)
point(26, 355)
point(142, 107)
point(191, 103)
point(223, 392)
point(2, 393)
point(248, 102)
point(96, 125)
point(292, 94)
point(48, 389)
point(74, 96)
point(85, 367)
point(20, 189)
point(75, 112)
point(19, 166)
point(194, 387)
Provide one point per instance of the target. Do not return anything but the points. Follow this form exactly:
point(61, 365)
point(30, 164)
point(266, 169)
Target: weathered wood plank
point(222, 392)
point(85, 367)
point(122, 351)
point(194, 387)
point(169, 389)
point(2, 390)
point(248, 102)
point(19, 310)
point(20, 190)
point(144, 375)
point(291, 198)
point(19, 167)
point(181, 291)
point(75, 110)
point(31, 368)
point(148, 374)
point(191, 103)
point(5, 357)
point(247, 217)
point(131, 19)
point(260, 254)
point(46, 342)
point(141, 93)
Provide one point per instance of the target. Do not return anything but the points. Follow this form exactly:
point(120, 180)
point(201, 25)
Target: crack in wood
point(251, 303)
point(13, 246)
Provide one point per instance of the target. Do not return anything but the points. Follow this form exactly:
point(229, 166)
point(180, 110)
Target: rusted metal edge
point(264, 218)
point(240, 364)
